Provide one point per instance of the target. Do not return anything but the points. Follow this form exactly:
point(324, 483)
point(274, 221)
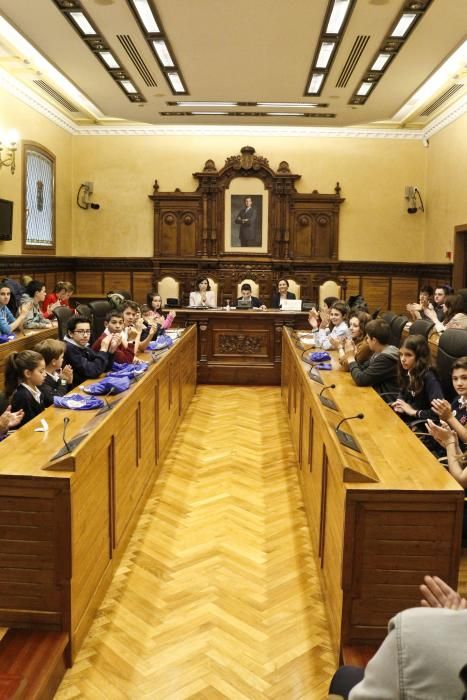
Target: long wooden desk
point(240, 346)
point(379, 519)
point(23, 341)
point(62, 532)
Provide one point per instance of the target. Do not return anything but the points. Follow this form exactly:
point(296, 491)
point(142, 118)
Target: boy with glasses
point(86, 362)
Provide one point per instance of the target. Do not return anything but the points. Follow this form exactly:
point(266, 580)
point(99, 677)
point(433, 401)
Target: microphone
point(307, 359)
point(359, 416)
point(66, 420)
point(328, 386)
point(108, 406)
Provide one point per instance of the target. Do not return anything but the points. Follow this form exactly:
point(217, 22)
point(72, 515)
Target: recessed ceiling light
point(83, 23)
point(210, 114)
point(128, 86)
point(338, 15)
point(404, 24)
point(162, 51)
point(175, 81)
point(364, 88)
point(287, 104)
point(109, 59)
point(144, 11)
point(315, 83)
point(184, 103)
point(285, 114)
point(325, 53)
point(381, 61)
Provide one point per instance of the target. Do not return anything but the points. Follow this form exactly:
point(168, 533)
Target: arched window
point(38, 199)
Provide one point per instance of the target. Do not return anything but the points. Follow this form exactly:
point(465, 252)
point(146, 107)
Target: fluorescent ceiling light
point(163, 52)
point(381, 61)
point(147, 18)
point(175, 81)
point(325, 53)
point(338, 14)
point(128, 86)
point(404, 24)
point(108, 58)
point(184, 103)
point(285, 114)
point(364, 88)
point(451, 67)
point(30, 54)
point(82, 22)
point(208, 113)
point(315, 82)
point(287, 104)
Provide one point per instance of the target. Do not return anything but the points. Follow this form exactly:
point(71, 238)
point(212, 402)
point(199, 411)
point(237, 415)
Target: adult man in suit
point(247, 217)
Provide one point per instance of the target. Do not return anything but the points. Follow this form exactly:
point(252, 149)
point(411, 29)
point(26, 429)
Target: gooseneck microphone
point(359, 416)
point(328, 386)
point(66, 420)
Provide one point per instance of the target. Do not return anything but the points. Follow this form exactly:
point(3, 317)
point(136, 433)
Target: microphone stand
point(329, 403)
point(346, 439)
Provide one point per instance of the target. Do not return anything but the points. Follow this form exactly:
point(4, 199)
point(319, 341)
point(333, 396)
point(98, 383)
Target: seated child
point(35, 295)
point(338, 329)
point(58, 380)
point(381, 370)
point(59, 297)
point(24, 375)
point(155, 304)
point(125, 351)
point(86, 362)
point(8, 323)
point(134, 327)
point(419, 384)
point(455, 415)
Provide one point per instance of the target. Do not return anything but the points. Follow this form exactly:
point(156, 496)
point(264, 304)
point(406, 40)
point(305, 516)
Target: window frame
point(29, 147)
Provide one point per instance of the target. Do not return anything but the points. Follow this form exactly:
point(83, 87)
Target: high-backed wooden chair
point(294, 287)
point(329, 289)
point(254, 287)
point(168, 288)
point(214, 288)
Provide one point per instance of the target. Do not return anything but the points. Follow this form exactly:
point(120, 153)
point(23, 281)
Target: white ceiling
point(238, 50)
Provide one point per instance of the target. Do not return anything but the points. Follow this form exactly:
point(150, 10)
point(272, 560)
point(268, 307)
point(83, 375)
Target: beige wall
point(446, 189)
point(32, 126)
point(372, 173)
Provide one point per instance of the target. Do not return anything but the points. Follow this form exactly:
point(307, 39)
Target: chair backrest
point(463, 293)
point(100, 309)
point(62, 314)
point(329, 289)
point(84, 310)
point(388, 316)
point(214, 288)
point(452, 344)
point(397, 326)
point(421, 327)
point(254, 287)
point(168, 288)
point(294, 287)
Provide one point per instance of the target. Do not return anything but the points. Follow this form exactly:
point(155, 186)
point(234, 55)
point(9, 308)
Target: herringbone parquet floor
point(217, 595)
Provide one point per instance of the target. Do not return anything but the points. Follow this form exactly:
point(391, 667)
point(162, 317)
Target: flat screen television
point(6, 220)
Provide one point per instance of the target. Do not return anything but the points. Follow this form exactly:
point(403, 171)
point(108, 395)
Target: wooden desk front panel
point(378, 520)
point(79, 522)
point(240, 346)
point(23, 342)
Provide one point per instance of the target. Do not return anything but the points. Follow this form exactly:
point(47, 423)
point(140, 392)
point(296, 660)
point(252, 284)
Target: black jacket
point(86, 362)
point(421, 402)
point(255, 302)
point(276, 300)
point(23, 399)
point(52, 387)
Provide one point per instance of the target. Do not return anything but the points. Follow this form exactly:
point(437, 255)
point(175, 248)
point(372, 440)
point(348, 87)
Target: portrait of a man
point(246, 221)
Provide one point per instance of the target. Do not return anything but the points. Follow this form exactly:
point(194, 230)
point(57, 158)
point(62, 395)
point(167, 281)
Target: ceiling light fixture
point(184, 103)
point(82, 22)
point(315, 83)
point(325, 53)
point(285, 114)
point(109, 59)
point(128, 86)
point(176, 81)
point(381, 61)
point(404, 24)
point(209, 114)
point(338, 15)
point(288, 104)
point(364, 88)
point(146, 16)
point(163, 53)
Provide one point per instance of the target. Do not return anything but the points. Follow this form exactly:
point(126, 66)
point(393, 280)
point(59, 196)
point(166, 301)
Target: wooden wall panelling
point(403, 291)
point(376, 291)
point(114, 281)
point(90, 282)
point(353, 286)
point(143, 283)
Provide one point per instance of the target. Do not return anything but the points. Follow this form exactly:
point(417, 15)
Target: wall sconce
point(411, 195)
point(84, 193)
point(9, 144)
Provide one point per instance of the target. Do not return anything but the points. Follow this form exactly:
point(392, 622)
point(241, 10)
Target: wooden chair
point(329, 289)
point(214, 288)
point(294, 287)
point(168, 288)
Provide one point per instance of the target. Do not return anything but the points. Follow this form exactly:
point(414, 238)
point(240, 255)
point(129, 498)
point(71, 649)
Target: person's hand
point(401, 406)
point(171, 314)
point(105, 343)
point(25, 309)
point(263, 307)
point(431, 313)
point(437, 594)
point(336, 343)
point(441, 433)
point(115, 340)
point(324, 315)
point(10, 419)
point(139, 325)
point(442, 408)
point(132, 333)
point(313, 318)
point(67, 374)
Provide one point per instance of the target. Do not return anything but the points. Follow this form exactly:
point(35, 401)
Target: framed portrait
point(246, 216)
